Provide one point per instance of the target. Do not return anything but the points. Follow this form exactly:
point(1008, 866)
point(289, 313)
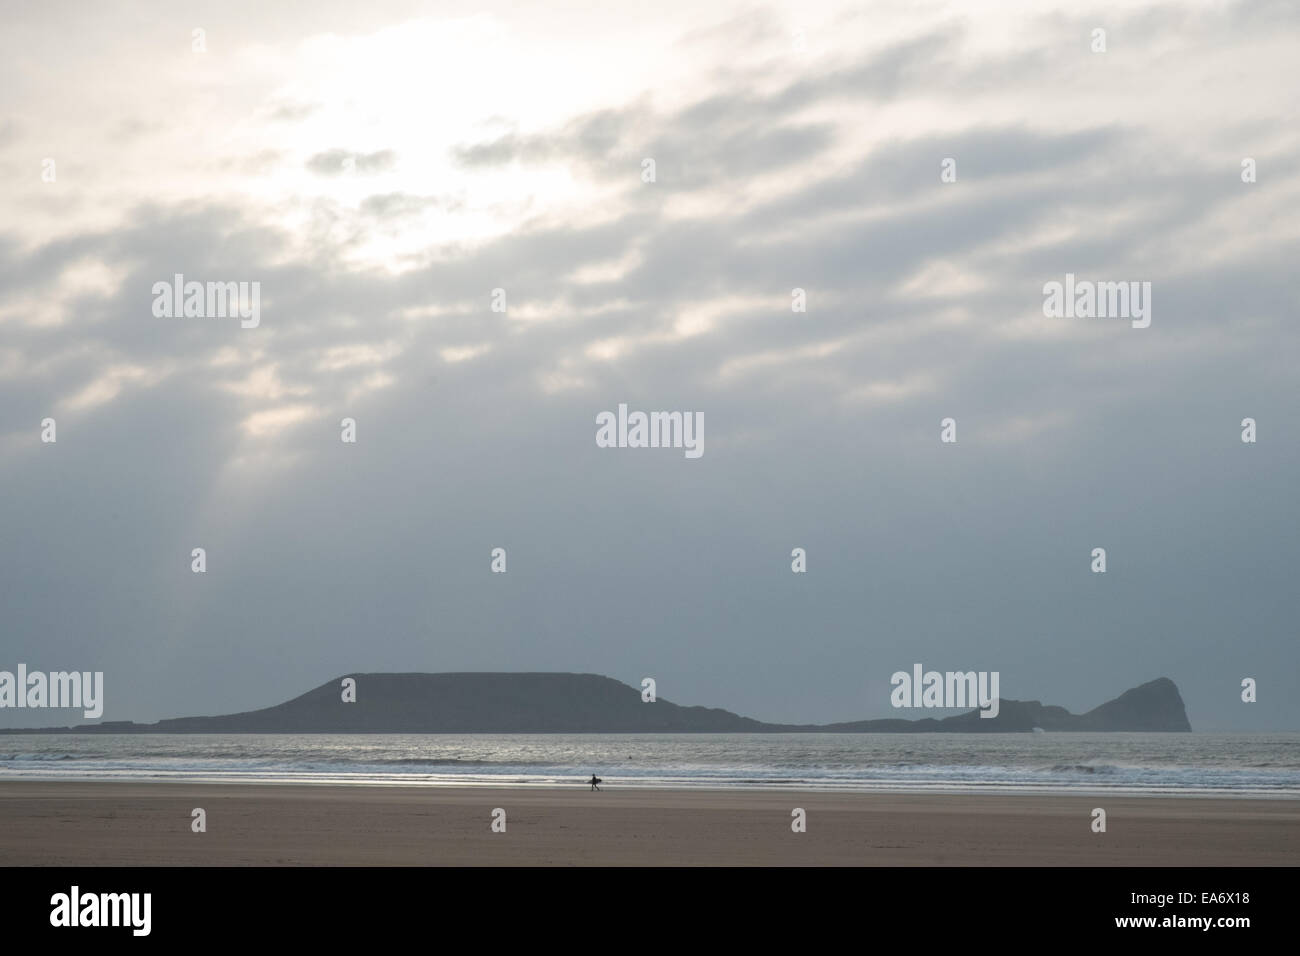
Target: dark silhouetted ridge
point(495, 703)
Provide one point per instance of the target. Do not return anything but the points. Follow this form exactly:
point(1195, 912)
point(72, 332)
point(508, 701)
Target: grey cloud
point(257, 164)
point(402, 205)
point(589, 138)
point(336, 162)
point(8, 132)
point(293, 112)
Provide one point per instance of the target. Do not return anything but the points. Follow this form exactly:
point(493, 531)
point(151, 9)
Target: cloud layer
point(380, 175)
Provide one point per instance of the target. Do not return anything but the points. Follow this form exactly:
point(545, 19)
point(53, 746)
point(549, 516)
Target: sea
point(1233, 765)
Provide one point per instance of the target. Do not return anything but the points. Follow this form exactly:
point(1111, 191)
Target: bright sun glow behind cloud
point(417, 92)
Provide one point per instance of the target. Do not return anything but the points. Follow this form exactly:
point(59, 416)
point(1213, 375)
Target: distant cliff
point(589, 703)
point(1154, 706)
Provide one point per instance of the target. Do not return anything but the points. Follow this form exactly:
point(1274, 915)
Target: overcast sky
point(381, 168)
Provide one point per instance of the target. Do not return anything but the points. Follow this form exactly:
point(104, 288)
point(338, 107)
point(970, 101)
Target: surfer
point(593, 781)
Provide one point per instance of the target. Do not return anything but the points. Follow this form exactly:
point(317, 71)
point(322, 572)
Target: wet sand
point(71, 823)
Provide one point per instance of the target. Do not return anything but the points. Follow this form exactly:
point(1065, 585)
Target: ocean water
point(1207, 764)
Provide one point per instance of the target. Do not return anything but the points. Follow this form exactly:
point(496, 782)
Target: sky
point(381, 170)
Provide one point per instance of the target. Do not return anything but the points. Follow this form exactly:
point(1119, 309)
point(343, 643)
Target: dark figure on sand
point(593, 781)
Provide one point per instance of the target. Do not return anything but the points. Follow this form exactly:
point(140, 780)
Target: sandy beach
point(117, 823)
